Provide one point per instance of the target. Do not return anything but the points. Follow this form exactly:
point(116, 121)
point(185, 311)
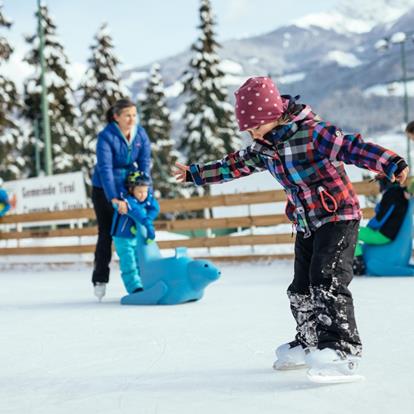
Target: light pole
point(44, 101)
point(400, 38)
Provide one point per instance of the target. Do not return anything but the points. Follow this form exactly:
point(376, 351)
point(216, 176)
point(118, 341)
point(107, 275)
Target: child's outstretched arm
point(351, 149)
point(234, 165)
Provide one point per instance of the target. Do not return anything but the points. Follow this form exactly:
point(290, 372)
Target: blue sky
point(147, 30)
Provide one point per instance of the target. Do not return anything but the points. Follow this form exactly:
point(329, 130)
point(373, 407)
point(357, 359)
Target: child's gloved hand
point(150, 232)
point(182, 173)
point(150, 228)
point(119, 205)
point(401, 173)
point(149, 241)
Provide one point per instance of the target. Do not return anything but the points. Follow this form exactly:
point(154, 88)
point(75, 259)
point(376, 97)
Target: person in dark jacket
point(306, 156)
point(121, 147)
point(143, 209)
point(385, 225)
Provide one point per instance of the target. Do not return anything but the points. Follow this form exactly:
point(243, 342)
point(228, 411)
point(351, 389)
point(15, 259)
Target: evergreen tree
point(12, 163)
point(210, 127)
point(99, 90)
point(155, 118)
point(65, 140)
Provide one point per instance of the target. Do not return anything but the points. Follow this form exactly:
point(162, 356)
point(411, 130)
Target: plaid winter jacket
point(306, 157)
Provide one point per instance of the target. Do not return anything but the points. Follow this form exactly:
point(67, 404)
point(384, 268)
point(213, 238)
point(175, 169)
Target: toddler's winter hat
point(137, 178)
point(258, 102)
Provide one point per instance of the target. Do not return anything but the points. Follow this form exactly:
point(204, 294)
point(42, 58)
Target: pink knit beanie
point(258, 102)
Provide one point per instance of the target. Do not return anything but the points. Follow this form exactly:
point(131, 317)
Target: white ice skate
point(100, 290)
point(289, 356)
point(328, 367)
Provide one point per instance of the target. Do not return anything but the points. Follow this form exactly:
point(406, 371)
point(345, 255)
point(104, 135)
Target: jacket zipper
point(325, 196)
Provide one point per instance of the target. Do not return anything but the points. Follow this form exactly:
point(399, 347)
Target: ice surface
point(63, 352)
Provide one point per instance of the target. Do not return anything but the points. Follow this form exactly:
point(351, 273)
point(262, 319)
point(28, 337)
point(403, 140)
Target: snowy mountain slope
point(328, 64)
point(357, 16)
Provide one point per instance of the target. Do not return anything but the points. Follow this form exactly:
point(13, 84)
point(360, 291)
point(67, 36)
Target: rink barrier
point(82, 223)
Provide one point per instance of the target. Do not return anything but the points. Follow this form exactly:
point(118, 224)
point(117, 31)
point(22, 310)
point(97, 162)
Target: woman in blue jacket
point(121, 146)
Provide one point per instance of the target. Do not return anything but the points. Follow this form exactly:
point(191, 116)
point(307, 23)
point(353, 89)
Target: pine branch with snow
point(12, 163)
point(100, 88)
point(210, 127)
point(155, 118)
point(65, 139)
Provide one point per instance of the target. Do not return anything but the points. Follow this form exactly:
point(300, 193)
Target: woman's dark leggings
point(103, 252)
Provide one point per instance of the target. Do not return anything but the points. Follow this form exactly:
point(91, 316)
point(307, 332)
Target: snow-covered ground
point(62, 352)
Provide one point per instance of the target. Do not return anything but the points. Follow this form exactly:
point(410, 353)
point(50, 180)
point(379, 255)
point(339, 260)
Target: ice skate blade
point(288, 367)
point(332, 378)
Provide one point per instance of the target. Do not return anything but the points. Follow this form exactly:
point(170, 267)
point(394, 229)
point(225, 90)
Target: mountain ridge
point(332, 70)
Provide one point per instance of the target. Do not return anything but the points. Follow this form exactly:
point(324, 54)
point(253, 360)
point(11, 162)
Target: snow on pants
point(320, 300)
point(103, 251)
point(126, 249)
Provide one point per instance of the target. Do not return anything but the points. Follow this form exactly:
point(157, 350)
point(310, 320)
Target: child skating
point(306, 155)
point(143, 208)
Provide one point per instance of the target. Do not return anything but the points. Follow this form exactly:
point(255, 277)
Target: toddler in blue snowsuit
point(143, 208)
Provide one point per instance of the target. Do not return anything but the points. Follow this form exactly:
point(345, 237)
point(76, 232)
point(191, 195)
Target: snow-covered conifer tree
point(102, 81)
point(155, 118)
point(12, 163)
point(99, 89)
point(210, 127)
point(62, 110)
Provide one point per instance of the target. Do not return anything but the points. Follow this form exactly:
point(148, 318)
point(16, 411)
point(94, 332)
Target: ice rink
point(63, 352)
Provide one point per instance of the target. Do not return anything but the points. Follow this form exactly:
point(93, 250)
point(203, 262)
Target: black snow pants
point(320, 300)
point(103, 251)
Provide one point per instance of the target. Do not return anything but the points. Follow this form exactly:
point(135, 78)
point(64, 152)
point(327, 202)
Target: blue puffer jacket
point(123, 225)
point(4, 202)
point(116, 156)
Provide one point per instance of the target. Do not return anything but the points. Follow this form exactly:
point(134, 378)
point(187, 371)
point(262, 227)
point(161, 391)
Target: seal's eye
point(206, 265)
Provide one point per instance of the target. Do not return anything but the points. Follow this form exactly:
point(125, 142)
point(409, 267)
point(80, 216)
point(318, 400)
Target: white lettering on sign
point(48, 193)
